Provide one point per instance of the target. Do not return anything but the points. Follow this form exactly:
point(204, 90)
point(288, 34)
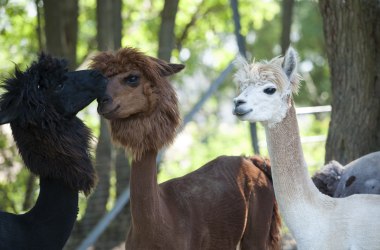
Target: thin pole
point(189, 116)
point(242, 50)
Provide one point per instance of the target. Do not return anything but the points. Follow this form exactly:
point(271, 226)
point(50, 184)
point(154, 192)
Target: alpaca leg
point(257, 232)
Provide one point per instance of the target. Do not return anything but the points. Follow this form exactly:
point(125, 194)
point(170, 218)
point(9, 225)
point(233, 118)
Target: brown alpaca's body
point(210, 208)
point(226, 203)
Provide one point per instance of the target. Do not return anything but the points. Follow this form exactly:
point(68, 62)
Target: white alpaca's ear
point(242, 66)
point(240, 62)
point(289, 65)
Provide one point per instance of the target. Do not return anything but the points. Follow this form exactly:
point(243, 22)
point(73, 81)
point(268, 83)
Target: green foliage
point(313, 131)
point(13, 175)
point(310, 45)
point(261, 25)
point(141, 24)
point(194, 147)
point(198, 145)
point(87, 29)
point(17, 34)
point(206, 43)
point(19, 46)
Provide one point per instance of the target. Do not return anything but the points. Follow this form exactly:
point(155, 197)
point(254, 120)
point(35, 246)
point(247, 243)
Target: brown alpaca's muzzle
point(106, 107)
point(127, 95)
point(109, 103)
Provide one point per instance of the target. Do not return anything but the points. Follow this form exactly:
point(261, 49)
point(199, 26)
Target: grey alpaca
point(361, 176)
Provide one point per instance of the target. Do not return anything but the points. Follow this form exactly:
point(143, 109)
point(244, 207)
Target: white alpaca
point(315, 220)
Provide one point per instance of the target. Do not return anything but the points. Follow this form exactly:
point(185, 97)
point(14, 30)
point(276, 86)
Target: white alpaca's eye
point(269, 91)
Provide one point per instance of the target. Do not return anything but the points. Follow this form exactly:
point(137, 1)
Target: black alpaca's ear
point(7, 115)
point(168, 69)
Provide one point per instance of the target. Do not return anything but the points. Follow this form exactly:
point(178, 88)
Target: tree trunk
point(166, 34)
point(116, 232)
point(109, 26)
point(61, 29)
point(287, 16)
point(96, 205)
point(117, 23)
point(39, 25)
point(352, 34)
point(109, 38)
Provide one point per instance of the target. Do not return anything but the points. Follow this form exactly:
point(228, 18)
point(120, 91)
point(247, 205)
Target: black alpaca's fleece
point(60, 156)
point(41, 106)
point(61, 152)
point(48, 225)
point(52, 141)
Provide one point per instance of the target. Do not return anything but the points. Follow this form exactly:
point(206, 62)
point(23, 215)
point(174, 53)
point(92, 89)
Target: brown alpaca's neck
point(145, 193)
point(293, 186)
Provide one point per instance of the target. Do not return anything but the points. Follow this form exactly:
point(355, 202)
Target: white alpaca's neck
point(299, 200)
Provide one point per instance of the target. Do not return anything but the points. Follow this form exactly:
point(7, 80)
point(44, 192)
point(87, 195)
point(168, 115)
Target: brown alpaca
point(227, 204)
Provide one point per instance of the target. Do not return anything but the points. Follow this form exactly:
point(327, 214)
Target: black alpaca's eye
point(59, 87)
point(132, 80)
point(269, 91)
point(41, 86)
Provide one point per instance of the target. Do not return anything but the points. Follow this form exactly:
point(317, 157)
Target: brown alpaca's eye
point(132, 80)
point(269, 91)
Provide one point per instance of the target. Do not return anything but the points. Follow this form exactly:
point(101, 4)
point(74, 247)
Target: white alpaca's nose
point(238, 101)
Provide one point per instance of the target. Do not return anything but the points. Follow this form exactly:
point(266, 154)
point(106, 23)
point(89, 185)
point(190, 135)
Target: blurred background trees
point(61, 28)
point(352, 31)
point(200, 34)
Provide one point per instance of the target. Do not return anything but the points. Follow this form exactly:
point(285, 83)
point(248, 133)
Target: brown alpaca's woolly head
point(140, 103)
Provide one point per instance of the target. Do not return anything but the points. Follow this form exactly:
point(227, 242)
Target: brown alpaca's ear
point(175, 67)
point(167, 69)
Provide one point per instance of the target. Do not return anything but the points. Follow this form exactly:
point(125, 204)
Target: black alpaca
point(41, 106)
